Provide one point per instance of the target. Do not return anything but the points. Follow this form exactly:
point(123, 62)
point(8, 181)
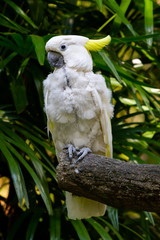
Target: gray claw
point(82, 153)
point(71, 151)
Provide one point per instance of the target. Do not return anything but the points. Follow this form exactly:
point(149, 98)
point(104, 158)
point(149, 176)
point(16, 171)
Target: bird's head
point(73, 51)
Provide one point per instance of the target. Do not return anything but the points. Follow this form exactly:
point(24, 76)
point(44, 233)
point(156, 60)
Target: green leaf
point(22, 67)
point(17, 141)
point(128, 153)
point(105, 24)
point(18, 89)
point(112, 228)
point(19, 95)
point(117, 21)
point(145, 226)
point(134, 38)
point(33, 224)
point(28, 135)
point(18, 39)
point(38, 77)
point(21, 144)
point(25, 194)
point(40, 182)
point(55, 225)
point(149, 217)
point(150, 56)
point(127, 101)
point(4, 62)
point(113, 216)
point(148, 140)
point(7, 22)
point(80, 229)
point(137, 146)
point(21, 13)
point(131, 230)
point(148, 19)
point(125, 117)
point(30, 132)
point(116, 8)
point(145, 99)
point(39, 46)
point(51, 169)
point(128, 76)
point(100, 4)
point(110, 64)
point(134, 95)
point(16, 174)
point(99, 228)
point(7, 43)
point(37, 180)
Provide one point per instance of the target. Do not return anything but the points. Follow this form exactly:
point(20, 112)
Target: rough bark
point(113, 182)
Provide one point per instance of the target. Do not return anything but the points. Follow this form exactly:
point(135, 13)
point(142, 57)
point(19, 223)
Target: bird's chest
point(70, 99)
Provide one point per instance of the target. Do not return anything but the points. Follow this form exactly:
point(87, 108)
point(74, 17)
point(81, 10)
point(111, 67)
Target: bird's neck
point(71, 78)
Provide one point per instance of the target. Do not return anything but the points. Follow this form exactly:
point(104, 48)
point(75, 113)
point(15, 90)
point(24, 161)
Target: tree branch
point(113, 182)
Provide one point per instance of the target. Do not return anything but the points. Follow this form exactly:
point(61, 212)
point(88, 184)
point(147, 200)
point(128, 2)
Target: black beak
point(55, 59)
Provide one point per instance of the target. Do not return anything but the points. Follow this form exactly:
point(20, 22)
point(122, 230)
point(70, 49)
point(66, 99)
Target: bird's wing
point(107, 132)
point(105, 123)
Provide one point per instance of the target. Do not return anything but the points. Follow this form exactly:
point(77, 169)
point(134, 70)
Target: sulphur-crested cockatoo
point(78, 108)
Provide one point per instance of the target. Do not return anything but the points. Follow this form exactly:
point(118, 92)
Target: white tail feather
point(80, 207)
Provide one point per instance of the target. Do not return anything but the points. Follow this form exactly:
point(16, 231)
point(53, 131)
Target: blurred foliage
point(31, 204)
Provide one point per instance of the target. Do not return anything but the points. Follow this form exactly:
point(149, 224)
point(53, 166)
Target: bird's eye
point(63, 47)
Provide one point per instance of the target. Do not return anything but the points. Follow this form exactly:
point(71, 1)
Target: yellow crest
point(97, 45)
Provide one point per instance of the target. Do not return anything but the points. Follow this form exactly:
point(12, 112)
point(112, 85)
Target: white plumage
point(78, 109)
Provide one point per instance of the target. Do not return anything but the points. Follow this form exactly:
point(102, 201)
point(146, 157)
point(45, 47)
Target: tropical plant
point(31, 203)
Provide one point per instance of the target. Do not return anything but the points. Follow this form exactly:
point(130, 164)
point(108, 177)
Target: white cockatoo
point(78, 108)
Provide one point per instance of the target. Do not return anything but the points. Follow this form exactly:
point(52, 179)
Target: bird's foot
point(71, 151)
point(82, 153)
